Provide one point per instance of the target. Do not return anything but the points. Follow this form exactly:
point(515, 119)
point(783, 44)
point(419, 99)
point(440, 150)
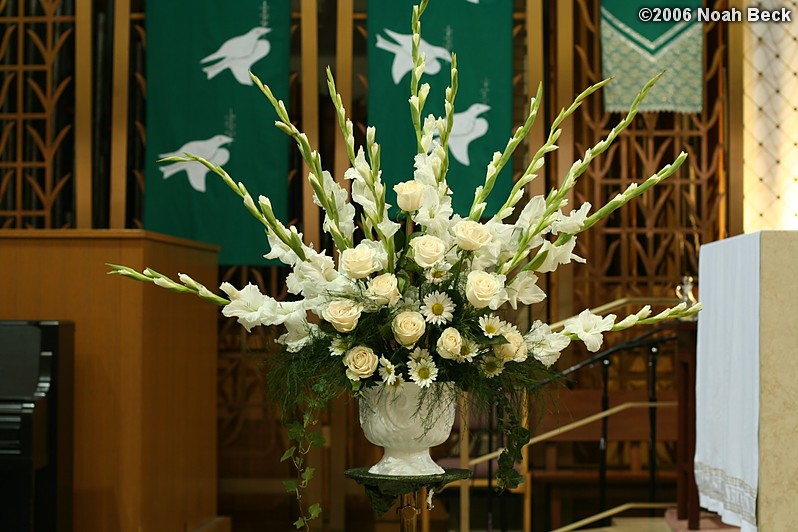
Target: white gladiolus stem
point(550, 145)
point(496, 165)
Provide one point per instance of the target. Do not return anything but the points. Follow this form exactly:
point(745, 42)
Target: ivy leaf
point(299, 523)
point(307, 474)
point(289, 485)
point(315, 510)
point(288, 453)
point(295, 431)
point(309, 418)
point(316, 439)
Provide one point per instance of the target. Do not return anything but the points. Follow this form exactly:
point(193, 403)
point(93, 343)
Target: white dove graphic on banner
point(401, 46)
point(239, 54)
point(209, 149)
point(467, 126)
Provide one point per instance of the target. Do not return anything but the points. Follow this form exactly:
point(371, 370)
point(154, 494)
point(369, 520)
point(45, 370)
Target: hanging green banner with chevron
point(201, 100)
point(483, 108)
point(640, 40)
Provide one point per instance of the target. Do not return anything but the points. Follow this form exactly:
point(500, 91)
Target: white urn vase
point(406, 423)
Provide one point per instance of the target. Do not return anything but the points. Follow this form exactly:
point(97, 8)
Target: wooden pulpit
point(144, 375)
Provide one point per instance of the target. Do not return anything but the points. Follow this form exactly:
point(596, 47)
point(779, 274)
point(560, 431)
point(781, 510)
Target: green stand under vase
point(383, 490)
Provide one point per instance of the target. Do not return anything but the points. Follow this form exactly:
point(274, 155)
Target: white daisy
point(492, 366)
point(491, 325)
point(438, 308)
point(423, 372)
point(468, 350)
point(338, 347)
point(397, 384)
point(387, 371)
point(438, 273)
point(418, 354)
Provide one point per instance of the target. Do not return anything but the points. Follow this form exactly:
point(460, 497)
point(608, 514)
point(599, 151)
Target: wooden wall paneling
point(83, 114)
point(336, 518)
point(564, 93)
point(145, 371)
point(310, 112)
point(311, 216)
point(734, 129)
point(119, 114)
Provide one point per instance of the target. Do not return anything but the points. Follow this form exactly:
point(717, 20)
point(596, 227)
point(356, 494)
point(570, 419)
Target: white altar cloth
point(727, 380)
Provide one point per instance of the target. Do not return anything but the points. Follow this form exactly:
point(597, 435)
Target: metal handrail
point(575, 425)
point(615, 511)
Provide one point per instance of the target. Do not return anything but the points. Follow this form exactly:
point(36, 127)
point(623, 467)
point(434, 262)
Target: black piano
point(36, 425)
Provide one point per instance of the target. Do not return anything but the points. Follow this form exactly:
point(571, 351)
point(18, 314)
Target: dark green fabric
point(481, 36)
point(200, 99)
point(383, 490)
point(640, 40)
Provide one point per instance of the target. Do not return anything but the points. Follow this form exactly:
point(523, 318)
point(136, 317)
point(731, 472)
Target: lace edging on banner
point(734, 493)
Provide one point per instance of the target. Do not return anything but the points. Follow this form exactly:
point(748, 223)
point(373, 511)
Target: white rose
point(515, 348)
point(408, 326)
point(428, 250)
point(483, 289)
point(450, 343)
point(409, 195)
point(358, 262)
point(342, 314)
point(471, 235)
point(383, 289)
point(361, 362)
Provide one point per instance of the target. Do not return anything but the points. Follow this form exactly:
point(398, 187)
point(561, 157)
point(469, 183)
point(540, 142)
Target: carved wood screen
point(37, 94)
point(55, 174)
point(645, 248)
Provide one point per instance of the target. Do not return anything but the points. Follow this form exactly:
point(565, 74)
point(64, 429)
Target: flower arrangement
point(416, 298)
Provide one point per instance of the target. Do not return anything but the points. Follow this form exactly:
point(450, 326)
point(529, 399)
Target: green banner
point(480, 33)
point(640, 40)
point(201, 100)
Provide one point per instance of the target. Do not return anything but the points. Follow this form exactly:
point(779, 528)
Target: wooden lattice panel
point(646, 247)
point(37, 48)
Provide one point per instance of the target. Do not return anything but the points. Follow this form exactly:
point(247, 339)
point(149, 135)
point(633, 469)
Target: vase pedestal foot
point(406, 463)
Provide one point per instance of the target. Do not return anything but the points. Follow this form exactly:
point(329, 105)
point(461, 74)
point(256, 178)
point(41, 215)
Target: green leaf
point(289, 485)
point(295, 431)
point(288, 453)
point(496, 340)
point(399, 239)
point(316, 439)
point(308, 418)
point(299, 523)
point(307, 474)
point(315, 510)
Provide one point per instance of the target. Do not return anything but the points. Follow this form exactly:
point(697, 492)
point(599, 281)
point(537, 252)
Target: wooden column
point(83, 114)
point(119, 114)
point(309, 27)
